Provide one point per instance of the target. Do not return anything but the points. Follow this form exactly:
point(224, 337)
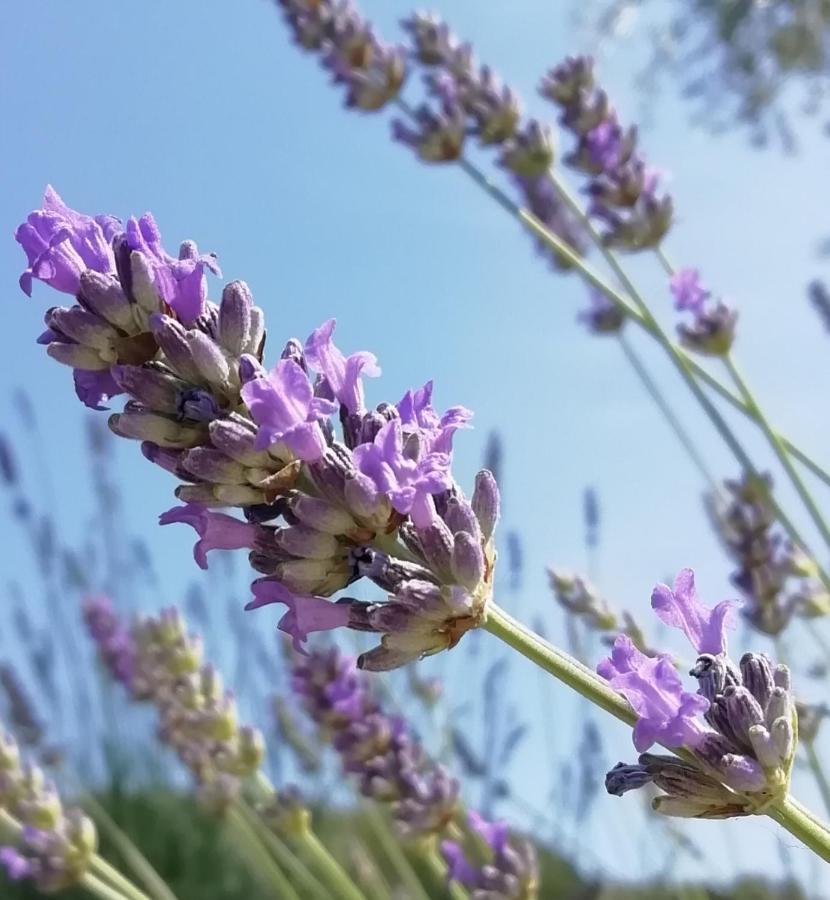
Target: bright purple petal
point(217, 531)
point(342, 373)
point(95, 388)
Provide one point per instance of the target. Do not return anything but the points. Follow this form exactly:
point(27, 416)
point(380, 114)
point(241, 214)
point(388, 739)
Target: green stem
point(283, 855)
point(337, 877)
point(105, 872)
point(395, 854)
point(665, 262)
point(668, 414)
point(131, 855)
point(780, 451)
point(264, 864)
point(439, 869)
point(818, 773)
point(100, 889)
point(788, 812)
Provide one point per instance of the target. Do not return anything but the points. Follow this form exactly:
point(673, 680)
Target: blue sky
point(208, 117)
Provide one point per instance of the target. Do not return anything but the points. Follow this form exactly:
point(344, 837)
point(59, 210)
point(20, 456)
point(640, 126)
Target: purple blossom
point(652, 685)
point(114, 642)
point(687, 290)
point(418, 414)
point(604, 144)
point(681, 608)
point(283, 404)
point(61, 243)
point(305, 613)
point(408, 482)
point(17, 866)
point(95, 388)
point(180, 282)
point(342, 373)
point(217, 531)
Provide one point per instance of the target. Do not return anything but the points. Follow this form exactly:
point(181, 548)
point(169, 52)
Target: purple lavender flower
point(16, 865)
point(113, 640)
point(305, 614)
point(283, 405)
point(61, 243)
point(180, 282)
point(688, 292)
point(94, 389)
point(666, 713)
point(408, 482)
point(435, 432)
point(510, 872)
point(602, 316)
point(342, 374)
point(681, 608)
point(216, 531)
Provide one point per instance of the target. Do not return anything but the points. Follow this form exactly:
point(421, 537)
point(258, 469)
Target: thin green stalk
point(395, 854)
point(778, 448)
point(818, 773)
point(788, 812)
point(265, 865)
point(105, 872)
point(439, 869)
point(668, 414)
point(100, 889)
point(664, 260)
point(337, 877)
point(131, 855)
point(283, 855)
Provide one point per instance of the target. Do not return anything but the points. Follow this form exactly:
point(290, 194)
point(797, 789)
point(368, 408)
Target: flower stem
point(818, 773)
point(395, 854)
point(131, 855)
point(105, 872)
point(668, 414)
point(788, 812)
point(337, 877)
point(100, 889)
point(433, 859)
point(779, 450)
point(264, 864)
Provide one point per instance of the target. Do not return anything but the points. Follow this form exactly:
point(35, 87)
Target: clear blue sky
point(203, 113)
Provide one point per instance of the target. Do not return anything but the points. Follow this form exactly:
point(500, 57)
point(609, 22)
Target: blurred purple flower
point(418, 414)
point(16, 865)
point(687, 290)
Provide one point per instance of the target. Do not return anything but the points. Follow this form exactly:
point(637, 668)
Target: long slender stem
point(668, 414)
point(131, 855)
point(106, 872)
point(778, 448)
point(395, 854)
point(439, 869)
point(788, 812)
point(818, 773)
point(265, 865)
point(100, 889)
point(337, 877)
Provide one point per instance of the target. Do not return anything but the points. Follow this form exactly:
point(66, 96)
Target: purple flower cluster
point(776, 580)
point(159, 662)
point(625, 192)
point(377, 749)
point(55, 846)
point(510, 871)
point(712, 330)
point(320, 512)
point(739, 726)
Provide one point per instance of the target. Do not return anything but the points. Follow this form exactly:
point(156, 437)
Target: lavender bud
point(235, 317)
point(321, 515)
point(172, 338)
point(459, 517)
point(485, 503)
point(235, 436)
point(78, 356)
point(742, 773)
point(624, 777)
point(104, 295)
point(757, 675)
point(467, 561)
point(781, 677)
point(314, 576)
point(783, 738)
point(763, 747)
point(779, 706)
point(208, 358)
point(82, 326)
point(153, 387)
point(293, 350)
point(211, 465)
point(142, 283)
point(306, 543)
point(743, 711)
point(144, 425)
point(437, 543)
point(714, 675)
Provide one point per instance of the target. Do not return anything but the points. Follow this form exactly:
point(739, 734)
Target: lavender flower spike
point(342, 373)
point(217, 531)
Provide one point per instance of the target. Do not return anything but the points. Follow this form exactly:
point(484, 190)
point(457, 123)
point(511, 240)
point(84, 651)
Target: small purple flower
point(217, 531)
point(95, 388)
point(408, 483)
point(60, 243)
point(305, 613)
point(283, 404)
point(180, 282)
point(605, 145)
point(418, 414)
point(666, 713)
point(458, 866)
point(342, 373)
point(17, 866)
point(687, 290)
point(681, 608)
